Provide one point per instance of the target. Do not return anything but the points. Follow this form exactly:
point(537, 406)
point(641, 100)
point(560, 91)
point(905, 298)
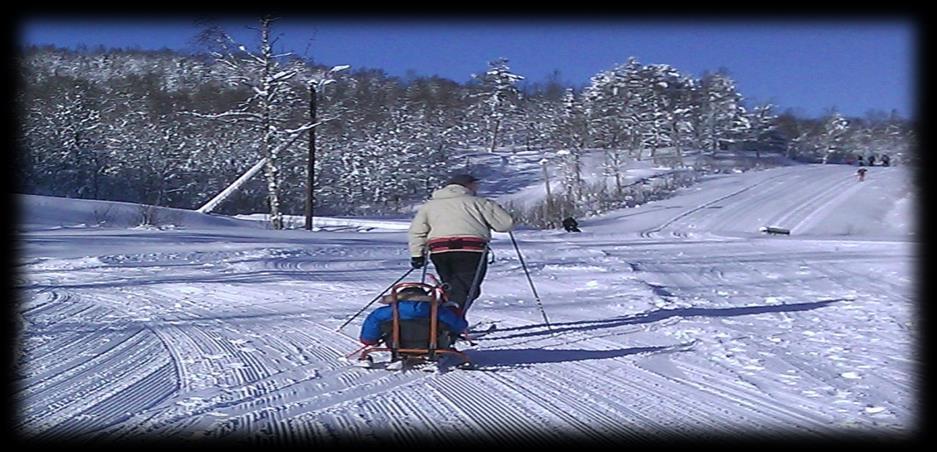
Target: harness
point(444, 244)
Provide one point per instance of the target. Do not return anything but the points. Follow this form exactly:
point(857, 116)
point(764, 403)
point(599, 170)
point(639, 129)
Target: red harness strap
point(442, 244)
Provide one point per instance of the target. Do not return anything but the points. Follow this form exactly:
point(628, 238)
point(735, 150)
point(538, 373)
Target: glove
point(417, 261)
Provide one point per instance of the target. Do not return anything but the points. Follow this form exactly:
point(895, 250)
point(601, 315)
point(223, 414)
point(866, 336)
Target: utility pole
point(311, 169)
point(546, 181)
point(314, 86)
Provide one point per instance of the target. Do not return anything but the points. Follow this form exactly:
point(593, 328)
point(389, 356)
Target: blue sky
point(809, 65)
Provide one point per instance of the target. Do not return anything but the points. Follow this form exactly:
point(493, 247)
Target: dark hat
point(411, 293)
point(462, 179)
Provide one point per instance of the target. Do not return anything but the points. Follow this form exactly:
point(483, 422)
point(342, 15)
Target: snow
point(43, 212)
point(517, 178)
point(673, 319)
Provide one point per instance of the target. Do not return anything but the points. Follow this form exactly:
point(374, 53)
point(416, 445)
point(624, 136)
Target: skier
point(861, 162)
point(885, 160)
point(871, 160)
point(455, 227)
point(412, 304)
point(860, 173)
point(570, 224)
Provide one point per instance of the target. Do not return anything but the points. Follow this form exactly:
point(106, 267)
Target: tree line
point(174, 129)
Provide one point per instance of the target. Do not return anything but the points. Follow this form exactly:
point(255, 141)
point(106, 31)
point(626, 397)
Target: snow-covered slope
point(44, 212)
point(809, 200)
point(517, 177)
point(675, 319)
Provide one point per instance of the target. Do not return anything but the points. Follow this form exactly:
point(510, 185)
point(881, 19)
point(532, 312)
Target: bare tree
point(267, 110)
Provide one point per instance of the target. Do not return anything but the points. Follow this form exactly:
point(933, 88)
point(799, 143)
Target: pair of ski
point(476, 331)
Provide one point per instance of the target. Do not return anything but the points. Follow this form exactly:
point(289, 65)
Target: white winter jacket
point(454, 212)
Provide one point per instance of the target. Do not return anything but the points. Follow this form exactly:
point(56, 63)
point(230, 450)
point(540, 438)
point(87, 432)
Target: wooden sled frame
point(431, 353)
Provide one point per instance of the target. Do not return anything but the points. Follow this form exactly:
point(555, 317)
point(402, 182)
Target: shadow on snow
point(655, 316)
point(524, 357)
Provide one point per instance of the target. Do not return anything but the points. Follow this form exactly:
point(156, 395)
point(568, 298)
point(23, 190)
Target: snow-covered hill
point(45, 212)
point(675, 319)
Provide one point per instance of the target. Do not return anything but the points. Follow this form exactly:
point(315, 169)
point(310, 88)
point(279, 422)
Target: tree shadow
point(655, 316)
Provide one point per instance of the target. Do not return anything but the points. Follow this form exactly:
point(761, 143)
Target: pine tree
point(723, 116)
point(570, 132)
point(763, 122)
point(500, 95)
point(832, 140)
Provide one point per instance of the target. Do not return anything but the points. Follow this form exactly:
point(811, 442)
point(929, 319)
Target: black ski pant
point(457, 269)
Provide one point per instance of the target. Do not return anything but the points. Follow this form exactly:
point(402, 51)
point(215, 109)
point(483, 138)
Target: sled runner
point(414, 341)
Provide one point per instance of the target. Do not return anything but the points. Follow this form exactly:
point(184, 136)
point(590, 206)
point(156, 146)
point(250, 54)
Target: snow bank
point(48, 212)
point(334, 223)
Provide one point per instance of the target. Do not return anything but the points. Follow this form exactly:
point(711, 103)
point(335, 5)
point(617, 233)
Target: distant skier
point(455, 226)
point(412, 305)
point(570, 224)
point(860, 173)
point(885, 160)
point(860, 161)
point(871, 160)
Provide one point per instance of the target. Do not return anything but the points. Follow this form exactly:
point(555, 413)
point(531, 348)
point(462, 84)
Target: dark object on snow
point(570, 224)
point(860, 173)
point(775, 230)
point(885, 160)
point(861, 162)
point(872, 161)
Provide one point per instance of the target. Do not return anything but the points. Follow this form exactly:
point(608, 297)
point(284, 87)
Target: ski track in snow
point(684, 322)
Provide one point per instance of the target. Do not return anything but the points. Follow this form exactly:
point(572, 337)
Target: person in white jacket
point(455, 226)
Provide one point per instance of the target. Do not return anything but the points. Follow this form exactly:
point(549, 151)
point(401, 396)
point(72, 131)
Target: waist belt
point(456, 244)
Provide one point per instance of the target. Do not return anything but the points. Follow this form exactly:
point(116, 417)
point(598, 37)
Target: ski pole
point(375, 298)
point(348, 356)
point(425, 265)
point(531, 281)
point(475, 281)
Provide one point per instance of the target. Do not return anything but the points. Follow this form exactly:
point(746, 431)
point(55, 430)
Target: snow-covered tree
point(895, 137)
point(268, 108)
point(500, 95)
point(723, 118)
point(65, 137)
point(604, 107)
point(570, 134)
point(106, 123)
point(611, 123)
point(860, 140)
point(161, 157)
point(682, 127)
point(661, 93)
point(832, 140)
point(763, 122)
